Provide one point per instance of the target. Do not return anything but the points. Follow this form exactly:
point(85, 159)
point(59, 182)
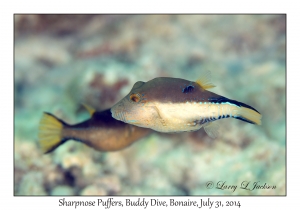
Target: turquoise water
point(63, 61)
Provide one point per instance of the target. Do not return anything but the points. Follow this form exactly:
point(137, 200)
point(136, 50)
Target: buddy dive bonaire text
point(144, 203)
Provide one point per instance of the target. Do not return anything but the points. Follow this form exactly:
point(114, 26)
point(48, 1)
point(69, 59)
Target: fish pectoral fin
point(212, 129)
point(204, 80)
point(90, 109)
point(163, 122)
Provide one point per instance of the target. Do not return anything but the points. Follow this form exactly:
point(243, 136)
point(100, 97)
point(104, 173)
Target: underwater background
point(61, 61)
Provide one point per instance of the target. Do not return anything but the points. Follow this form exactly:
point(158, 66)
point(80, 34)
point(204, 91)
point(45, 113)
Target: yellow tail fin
point(249, 115)
point(50, 132)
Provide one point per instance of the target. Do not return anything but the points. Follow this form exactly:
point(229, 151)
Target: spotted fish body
point(177, 105)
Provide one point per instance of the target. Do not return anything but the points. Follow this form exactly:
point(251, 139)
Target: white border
point(293, 36)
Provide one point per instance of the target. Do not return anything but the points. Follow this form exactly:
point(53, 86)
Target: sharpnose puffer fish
point(101, 132)
point(176, 105)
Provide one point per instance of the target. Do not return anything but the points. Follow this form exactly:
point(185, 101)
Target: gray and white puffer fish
point(176, 105)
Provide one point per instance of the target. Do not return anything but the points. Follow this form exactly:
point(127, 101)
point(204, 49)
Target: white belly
point(188, 116)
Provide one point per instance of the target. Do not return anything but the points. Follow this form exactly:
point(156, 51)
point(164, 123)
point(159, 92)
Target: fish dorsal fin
point(204, 80)
point(90, 109)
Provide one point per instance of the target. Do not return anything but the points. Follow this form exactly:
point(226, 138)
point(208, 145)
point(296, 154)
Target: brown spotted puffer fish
point(101, 132)
point(176, 105)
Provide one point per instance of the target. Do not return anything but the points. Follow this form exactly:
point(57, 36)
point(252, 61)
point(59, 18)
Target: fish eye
point(135, 97)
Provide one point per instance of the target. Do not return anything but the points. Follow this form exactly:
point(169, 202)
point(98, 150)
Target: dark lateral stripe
point(244, 119)
point(224, 100)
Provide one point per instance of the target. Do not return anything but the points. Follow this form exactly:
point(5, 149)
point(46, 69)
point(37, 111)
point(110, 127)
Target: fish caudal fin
point(249, 115)
point(50, 132)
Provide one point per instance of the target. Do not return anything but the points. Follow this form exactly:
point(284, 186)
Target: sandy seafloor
point(62, 61)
